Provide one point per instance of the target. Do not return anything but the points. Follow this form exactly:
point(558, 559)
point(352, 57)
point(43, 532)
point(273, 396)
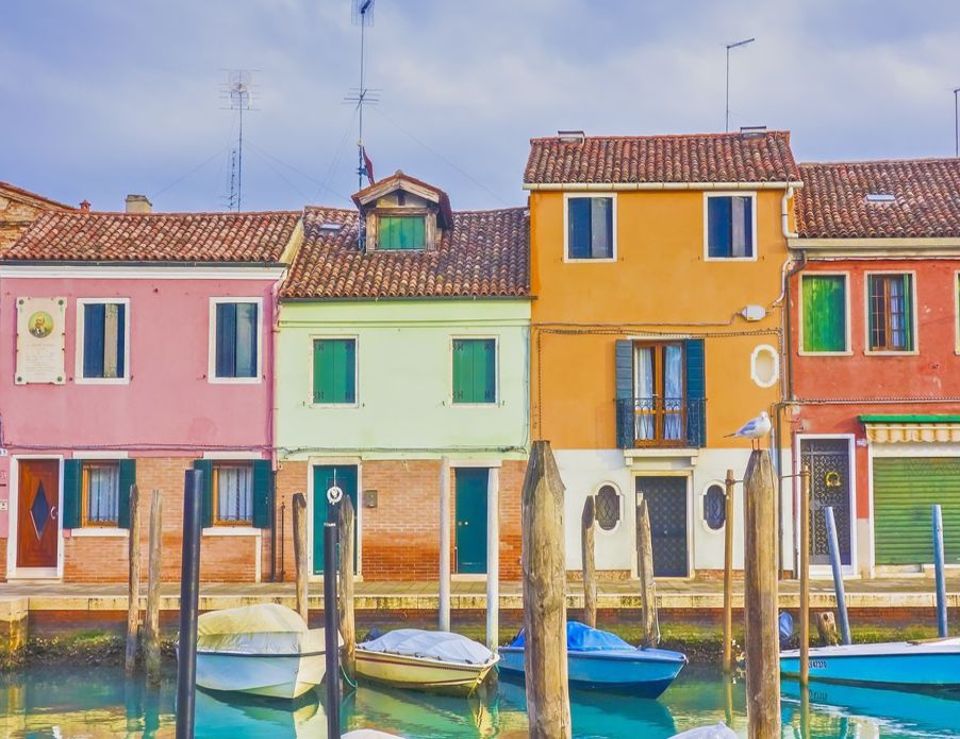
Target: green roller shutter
point(824, 313)
point(262, 494)
point(904, 489)
point(72, 496)
point(128, 477)
point(206, 488)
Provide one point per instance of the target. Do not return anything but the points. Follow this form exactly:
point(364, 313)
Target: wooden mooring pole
point(151, 640)
point(348, 629)
point(728, 574)
point(588, 564)
point(133, 583)
point(760, 598)
point(544, 597)
point(648, 587)
point(300, 550)
point(805, 575)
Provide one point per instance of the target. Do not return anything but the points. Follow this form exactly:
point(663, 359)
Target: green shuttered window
point(401, 232)
point(96, 493)
point(474, 371)
point(589, 228)
point(335, 371)
point(890, 308)
point(824, 313)
point(237, 338)
point(236, 493)
point(730, 227)
point(104, 340)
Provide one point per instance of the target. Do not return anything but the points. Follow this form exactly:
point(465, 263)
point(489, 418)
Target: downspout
point(272, 422)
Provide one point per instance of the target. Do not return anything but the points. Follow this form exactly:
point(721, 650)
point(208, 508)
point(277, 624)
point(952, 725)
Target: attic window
point(399, 233)
point(881, 197)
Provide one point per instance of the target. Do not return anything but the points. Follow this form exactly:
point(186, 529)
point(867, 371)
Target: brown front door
point(38, 511)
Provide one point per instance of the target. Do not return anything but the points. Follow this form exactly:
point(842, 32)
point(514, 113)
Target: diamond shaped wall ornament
point(40, 511)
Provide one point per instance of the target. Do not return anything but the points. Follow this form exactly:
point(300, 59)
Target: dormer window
point(395, 232)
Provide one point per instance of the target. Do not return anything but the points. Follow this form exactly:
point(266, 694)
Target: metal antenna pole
point(956, 123)
point(240, 163)
point(360, 166)
point(732, 46)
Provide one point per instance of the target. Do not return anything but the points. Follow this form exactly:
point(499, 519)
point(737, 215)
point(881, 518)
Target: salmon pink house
point(134, 346)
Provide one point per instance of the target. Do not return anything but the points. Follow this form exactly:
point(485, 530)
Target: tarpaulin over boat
point(262, 629)
point(440, 645)
point(581, 638)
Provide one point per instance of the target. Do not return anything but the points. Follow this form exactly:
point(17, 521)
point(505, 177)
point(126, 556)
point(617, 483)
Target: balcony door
point(660, 394)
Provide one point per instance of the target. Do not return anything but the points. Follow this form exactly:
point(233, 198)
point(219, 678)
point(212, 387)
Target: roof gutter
point(658, 186)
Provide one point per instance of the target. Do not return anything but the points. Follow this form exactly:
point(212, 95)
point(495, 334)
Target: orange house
point(657, 271)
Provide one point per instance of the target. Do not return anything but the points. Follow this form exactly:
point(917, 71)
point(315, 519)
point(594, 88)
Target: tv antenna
point(362, 15)
point(237, 92)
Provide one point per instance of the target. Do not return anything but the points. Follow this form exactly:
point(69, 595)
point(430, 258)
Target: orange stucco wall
point(661, 283)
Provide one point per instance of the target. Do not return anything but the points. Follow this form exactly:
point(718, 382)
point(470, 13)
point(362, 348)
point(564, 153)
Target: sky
point(103, 98)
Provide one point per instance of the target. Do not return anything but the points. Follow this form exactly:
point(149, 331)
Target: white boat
point(263, 650)
point(425, 660)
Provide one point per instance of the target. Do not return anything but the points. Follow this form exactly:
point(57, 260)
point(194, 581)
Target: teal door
point(471, 517)
point(345, 476)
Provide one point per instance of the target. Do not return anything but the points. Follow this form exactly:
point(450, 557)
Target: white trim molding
point(107, 271)
point(567, 197)
point(212, 376)
point(754, 246)
point(656, 186)
point(755, 355)
point(78, 376)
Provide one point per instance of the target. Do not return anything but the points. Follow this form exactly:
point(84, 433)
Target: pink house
point(134, 346)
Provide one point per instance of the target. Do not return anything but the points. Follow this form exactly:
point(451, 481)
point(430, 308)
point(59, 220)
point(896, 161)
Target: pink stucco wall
point(169, 405)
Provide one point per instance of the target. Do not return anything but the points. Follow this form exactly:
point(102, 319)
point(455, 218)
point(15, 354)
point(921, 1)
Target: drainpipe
point(272, 421)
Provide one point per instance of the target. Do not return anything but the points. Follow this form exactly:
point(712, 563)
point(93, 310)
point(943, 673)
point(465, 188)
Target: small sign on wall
point(40, 340)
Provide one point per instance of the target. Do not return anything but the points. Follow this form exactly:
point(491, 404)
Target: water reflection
point(67, 702)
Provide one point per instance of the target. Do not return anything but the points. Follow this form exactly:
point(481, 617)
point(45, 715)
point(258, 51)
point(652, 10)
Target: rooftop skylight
point(881, 197)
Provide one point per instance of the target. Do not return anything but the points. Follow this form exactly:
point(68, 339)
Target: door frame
point(358, 513)
point(487, 464)
point(851, 570)
point(32, 573)
point(688, 491)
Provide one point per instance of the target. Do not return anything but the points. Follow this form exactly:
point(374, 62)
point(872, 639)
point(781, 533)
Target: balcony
point(661, 423)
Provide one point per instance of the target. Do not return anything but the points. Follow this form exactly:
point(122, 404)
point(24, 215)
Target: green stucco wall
point(404, 385)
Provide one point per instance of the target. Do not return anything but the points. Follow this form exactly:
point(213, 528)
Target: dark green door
point(471, 517)
point(345, 476)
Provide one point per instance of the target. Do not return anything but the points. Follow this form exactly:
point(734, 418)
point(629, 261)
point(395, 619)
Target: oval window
point(608, 507)
point(765, 365)
point(715, 507)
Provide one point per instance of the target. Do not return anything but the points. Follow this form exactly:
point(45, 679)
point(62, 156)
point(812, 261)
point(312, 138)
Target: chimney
point(85, 206)
point(138, 204)
point(571, 136)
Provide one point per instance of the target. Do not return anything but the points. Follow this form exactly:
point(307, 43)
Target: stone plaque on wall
point(40, 340)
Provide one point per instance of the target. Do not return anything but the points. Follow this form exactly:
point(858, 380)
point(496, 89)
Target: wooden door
point(667, 507)
point(345, 477)
point(38, 511)
point(471, 517)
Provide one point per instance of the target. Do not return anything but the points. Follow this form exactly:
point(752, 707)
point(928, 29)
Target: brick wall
point(3, 560)
point(104, 559)
point(400, 537)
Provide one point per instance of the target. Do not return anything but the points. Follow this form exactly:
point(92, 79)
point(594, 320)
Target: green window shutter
point(72, 496)
point(334, 371)
point(128, 476)
point(206, 488)
point(623, 364)
point(824, 313)
point(489, 370)
point(908, 312)
point(474, 370)
point(696, 385)
point(462, 371)
point(401, 232)
point(262, 494)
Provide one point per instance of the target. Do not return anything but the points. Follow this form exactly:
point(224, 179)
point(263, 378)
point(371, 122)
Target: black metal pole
point(189, 603)
point(330, 626)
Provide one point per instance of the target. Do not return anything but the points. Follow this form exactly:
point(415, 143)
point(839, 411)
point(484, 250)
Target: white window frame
point(915, 328)
point(706, 224)
point(78, 377)
point(212, 343)
point(620, 497)
point(567, 196)
point(496, 369)
point(848, 329)
point(105, 532)
point(356, 370)
point(753, 365)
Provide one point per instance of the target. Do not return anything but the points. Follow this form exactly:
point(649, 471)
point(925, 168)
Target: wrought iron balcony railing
point(661, 422)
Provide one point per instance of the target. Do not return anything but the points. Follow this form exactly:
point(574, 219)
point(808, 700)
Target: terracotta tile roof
point(7, 188)
point(485, 254)
point(719, 157)
point(156, 237)
point(926, 199)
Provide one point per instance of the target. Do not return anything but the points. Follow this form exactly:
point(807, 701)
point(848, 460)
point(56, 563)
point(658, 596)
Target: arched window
point(608, 507)
point(715, 507)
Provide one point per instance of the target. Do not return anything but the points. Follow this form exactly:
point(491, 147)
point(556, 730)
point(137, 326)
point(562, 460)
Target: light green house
point(403, 357)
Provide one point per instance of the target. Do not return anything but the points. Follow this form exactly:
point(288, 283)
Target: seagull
point(754, 429)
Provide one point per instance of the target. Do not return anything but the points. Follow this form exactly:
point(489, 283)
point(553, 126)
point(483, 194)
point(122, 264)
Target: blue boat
point(599, 660)
point(934, 663)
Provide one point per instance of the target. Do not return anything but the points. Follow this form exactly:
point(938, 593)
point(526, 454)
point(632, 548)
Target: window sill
point(332, 405)
point(882, 353)
point(589, 260)
point(730, 259)
point(231, 531)
point(101, 380)
point(103, 532)
point(845, 353)
point(234, 380)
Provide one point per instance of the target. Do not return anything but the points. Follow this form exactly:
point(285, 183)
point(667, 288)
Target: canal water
point(98, 701)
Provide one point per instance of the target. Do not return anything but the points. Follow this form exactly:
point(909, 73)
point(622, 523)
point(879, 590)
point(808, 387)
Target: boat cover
point(267, 629)
point(581, 638)
point(439, 645)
